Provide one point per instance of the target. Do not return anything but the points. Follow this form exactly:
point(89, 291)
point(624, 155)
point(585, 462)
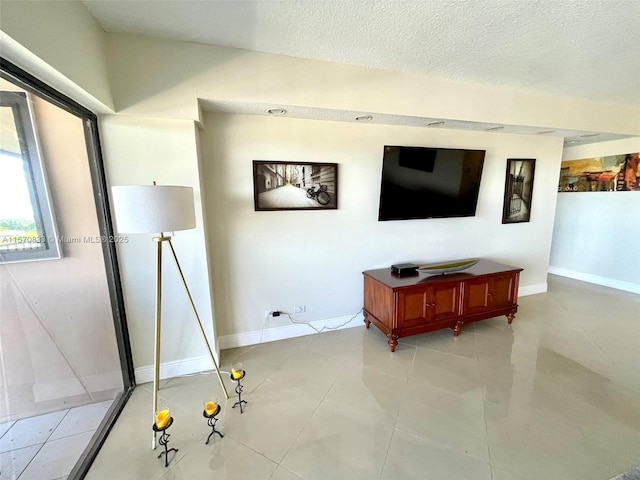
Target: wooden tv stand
point(405, 306)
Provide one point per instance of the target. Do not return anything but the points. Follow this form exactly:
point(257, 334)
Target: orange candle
point(162, 418)
point(210, 408)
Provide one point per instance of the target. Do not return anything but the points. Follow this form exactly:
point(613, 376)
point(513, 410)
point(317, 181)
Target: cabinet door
point(484, 294)
point(477, 296)
point(504, 291)
point(417, 306)
point(444, 302)
point(412, 306)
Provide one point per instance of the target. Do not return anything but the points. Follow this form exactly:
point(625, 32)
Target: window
point(27, 229)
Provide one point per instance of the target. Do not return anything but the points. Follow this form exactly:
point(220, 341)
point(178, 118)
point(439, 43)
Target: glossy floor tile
point(556, 395)
point(47, 447)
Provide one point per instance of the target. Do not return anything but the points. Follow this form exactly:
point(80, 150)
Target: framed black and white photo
point(295, 185)
point(518, 190)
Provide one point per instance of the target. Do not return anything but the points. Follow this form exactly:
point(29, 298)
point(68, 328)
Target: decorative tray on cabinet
point(448, 267)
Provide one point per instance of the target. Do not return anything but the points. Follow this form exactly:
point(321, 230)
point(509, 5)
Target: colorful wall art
point(614, 173)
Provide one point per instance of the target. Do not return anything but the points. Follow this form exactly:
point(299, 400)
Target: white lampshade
point(153, 208)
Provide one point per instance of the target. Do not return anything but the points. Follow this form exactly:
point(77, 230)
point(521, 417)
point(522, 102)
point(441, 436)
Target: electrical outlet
point(267, 313)
point(299, 309)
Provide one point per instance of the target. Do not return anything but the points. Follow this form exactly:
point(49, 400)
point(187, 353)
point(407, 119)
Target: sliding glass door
point(65, 362)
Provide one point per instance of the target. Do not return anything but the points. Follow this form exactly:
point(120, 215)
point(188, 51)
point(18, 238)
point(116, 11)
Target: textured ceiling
point(579, 48)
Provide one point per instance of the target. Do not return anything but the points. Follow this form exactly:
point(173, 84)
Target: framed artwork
point(518, 190)
point(294, 185)
point(613, 173)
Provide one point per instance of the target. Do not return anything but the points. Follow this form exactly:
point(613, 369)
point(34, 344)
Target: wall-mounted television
point(423, 182)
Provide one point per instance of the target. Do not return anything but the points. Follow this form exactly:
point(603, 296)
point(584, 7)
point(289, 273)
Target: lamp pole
point(151, 209)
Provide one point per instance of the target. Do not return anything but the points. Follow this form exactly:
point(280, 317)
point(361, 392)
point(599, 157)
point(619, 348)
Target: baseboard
point(289, 331)
point(598, 280)
point(188, 366)
point(532, 289)
point(174, 369)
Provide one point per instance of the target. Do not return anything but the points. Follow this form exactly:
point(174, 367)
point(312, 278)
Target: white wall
point(61, 43)
point(140, 151)
point(276, 260)
point(596, 233)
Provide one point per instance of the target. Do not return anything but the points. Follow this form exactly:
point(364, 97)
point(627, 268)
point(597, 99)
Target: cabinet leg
point(510, 317)
point(367, 322)
point(458, 328)
point(392, 340)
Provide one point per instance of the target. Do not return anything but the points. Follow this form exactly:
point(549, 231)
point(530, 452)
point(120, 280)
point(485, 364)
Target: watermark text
point(28, 239)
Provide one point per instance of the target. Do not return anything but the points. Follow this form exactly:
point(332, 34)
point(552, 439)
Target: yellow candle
point(210, 408)
point(162, 418)
point(236, 374)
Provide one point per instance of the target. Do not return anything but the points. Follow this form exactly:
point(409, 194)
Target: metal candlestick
point(164, 440)
point(211, 421)
point(239, 388)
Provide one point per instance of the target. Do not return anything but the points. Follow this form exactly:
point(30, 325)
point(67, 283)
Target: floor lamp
point(157, 209)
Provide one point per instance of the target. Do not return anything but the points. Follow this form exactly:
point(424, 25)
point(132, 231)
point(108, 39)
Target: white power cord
point(318, 330)
point(292, 320)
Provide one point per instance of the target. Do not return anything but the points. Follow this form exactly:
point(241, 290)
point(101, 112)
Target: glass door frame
point(19, 77)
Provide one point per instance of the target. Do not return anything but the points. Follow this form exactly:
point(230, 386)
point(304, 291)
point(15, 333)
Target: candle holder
point(211, 421)
point(236, 375)
point(164, 440)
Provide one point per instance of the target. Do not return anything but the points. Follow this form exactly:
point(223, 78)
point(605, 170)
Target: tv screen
point(422, 182)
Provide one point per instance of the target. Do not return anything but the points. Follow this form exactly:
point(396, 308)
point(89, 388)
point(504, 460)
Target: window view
point(26, 224)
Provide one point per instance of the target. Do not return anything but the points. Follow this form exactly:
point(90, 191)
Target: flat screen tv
point(422, 182)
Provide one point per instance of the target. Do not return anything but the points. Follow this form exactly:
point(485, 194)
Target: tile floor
point(46, 447)
point(554, 396)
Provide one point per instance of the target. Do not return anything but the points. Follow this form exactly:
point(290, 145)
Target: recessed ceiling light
point(545, 131)
point(567, 142)
point(493, 129)
point(436, 123)
point(587, 135)
point(276, 111)
point(364, 118)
